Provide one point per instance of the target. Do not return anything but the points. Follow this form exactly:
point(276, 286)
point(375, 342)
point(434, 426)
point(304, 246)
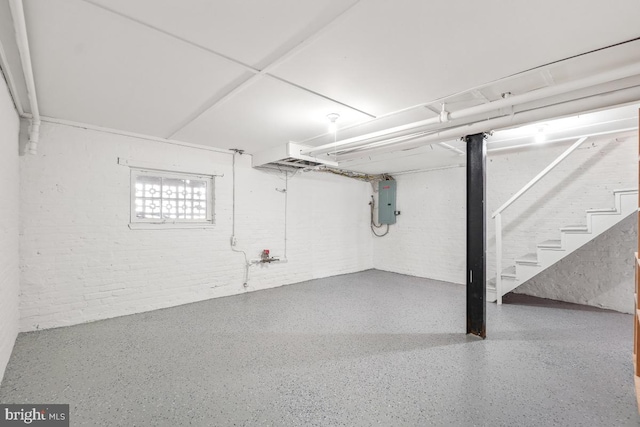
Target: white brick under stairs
point(571, 238)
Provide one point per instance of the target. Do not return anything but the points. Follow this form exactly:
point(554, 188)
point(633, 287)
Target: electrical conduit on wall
point(233, 240)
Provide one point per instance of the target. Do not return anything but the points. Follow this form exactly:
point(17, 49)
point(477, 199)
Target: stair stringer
point(572, 237)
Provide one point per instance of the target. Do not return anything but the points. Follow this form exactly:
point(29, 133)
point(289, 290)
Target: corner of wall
point(9, 226)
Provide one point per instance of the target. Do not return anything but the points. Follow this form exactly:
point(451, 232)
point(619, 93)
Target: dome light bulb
point(333, 117)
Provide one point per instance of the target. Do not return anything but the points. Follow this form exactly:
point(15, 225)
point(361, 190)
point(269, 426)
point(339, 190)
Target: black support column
point(476, 236)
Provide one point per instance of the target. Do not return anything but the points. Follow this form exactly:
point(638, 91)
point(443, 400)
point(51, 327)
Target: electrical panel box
point(387, 202)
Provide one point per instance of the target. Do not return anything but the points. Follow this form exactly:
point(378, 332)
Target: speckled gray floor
point(370, 348)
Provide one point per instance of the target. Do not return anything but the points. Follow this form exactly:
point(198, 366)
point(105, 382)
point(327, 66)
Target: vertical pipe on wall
point(476, 235)
point(286, 201)
point(233, 198)
point(498, 220)
point(20, 27)
point(233, 240)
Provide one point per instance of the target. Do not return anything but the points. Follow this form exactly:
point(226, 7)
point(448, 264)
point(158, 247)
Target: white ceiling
point(252, 74)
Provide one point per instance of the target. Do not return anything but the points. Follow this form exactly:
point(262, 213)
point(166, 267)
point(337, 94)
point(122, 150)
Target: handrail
point(497, 215)
point(539, 176)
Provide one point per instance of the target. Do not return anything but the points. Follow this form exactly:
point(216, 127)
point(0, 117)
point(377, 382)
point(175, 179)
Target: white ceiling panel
point(252, 31)
point(264, 115)
point(389, 55)
point(95, 67)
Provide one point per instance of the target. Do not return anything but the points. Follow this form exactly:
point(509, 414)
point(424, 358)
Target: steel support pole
point(476, 235)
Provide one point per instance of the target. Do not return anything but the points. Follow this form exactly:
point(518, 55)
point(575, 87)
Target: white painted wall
point(581, 278)
point(9, 205)
point(81, 262)
point(586, 179)
point(429, 238)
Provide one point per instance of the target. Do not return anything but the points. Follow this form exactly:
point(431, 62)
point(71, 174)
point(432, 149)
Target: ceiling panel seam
point(576, 56)
point(215, 100)
point(257, 74)
point(321, 95)
point(265, 71)
point(182, 39)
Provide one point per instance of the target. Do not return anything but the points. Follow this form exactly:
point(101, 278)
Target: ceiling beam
point(257, 74)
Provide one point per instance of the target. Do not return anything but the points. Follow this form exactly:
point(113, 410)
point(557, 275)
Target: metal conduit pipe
point(435, 122)
point(594, 102)
point(20, 27)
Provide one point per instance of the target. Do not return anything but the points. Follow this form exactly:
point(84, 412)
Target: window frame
point(135, 222)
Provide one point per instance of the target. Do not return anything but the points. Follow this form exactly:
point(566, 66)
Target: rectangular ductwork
point(289, 155)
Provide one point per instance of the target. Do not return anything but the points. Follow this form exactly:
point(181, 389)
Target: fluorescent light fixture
point(541, 135)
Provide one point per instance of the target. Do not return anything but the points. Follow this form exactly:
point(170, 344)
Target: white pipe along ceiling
point(401, 135)
point(17, 13)
point(576, 106)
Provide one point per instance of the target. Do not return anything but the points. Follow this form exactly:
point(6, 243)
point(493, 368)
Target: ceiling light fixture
point(333, 117)
point(541, 135)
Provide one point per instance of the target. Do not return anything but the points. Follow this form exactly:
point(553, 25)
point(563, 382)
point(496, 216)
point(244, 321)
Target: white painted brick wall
point(9, 204)
point(429, 238)
point(80, 261)
point(586, 179)
point(580, 278)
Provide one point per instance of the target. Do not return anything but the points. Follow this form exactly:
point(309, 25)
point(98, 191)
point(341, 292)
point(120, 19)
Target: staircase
point(571, 238)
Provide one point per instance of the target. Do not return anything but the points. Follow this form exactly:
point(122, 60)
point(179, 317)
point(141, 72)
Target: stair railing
point(497, 215)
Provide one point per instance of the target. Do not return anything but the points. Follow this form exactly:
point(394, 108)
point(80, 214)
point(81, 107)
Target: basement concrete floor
point(370, 348)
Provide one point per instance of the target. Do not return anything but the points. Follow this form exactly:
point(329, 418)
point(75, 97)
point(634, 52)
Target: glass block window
point(159, 197)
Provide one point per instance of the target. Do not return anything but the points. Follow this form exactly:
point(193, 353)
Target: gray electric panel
point(387, 202)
